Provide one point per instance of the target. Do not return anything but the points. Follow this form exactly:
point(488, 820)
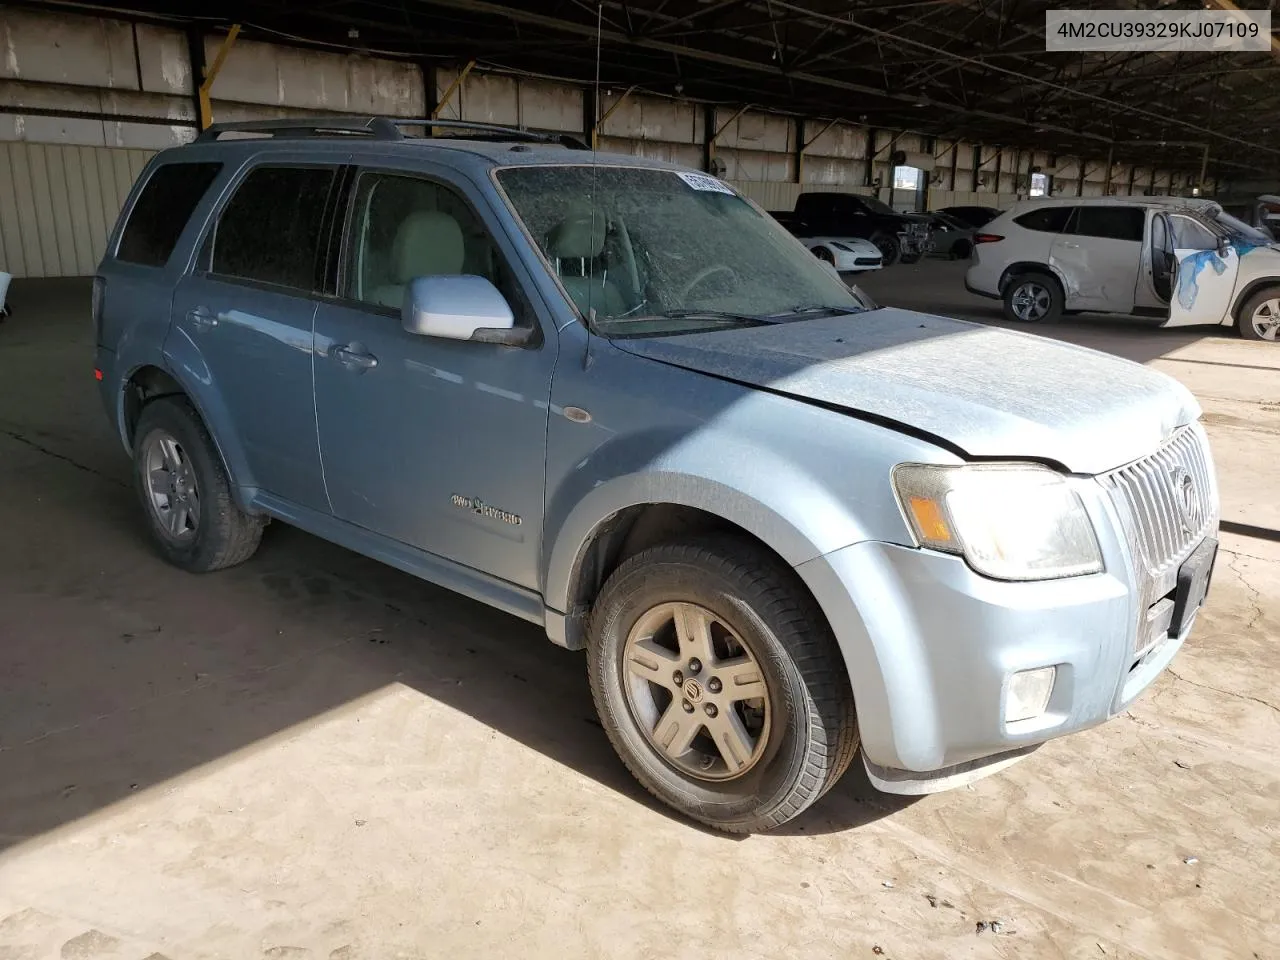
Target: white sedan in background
point(846, 254)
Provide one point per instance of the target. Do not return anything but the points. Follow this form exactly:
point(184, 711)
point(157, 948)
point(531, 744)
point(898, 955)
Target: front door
point(247, 311)
point(439, 444)
point(1203, 278)
point(1099, 255)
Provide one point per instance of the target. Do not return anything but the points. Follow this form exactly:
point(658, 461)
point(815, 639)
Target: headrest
point(577, 236)
point(428, 243)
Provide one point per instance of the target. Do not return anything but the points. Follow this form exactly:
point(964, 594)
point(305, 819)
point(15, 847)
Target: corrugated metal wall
point(58, 203)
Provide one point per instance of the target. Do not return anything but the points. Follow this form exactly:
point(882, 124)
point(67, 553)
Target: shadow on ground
point(119, 672)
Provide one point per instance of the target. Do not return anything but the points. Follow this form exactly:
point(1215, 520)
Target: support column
point(203, 100)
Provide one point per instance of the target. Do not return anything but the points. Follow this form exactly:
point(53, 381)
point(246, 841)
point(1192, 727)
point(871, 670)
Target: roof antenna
point(595, 123)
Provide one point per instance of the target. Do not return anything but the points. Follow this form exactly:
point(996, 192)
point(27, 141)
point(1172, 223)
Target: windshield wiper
point(720, 316)
point(813, 308)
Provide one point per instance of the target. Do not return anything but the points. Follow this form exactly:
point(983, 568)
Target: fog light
point(1029, 692)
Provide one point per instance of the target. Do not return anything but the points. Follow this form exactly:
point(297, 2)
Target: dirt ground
point(313, 756)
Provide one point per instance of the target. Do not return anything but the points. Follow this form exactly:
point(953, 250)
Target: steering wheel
point(705, 273)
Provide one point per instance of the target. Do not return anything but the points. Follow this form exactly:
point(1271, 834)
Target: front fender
point(788, 536)
point(776, 468)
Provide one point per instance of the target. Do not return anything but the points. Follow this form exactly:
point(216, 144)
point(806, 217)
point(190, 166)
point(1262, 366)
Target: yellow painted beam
point(211, 74)
point(452, 89)
point(595, 131)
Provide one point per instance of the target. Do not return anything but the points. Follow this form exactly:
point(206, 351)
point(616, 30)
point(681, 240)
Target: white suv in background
point(1180, 259)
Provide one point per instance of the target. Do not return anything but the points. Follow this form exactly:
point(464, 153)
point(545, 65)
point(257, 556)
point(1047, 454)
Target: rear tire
point(719, 683)
point(184, 492)
point(1033, 298)
point(1259, 316)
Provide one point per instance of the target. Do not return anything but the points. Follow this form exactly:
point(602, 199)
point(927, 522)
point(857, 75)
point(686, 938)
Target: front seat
point(428, 243)
point(580, 240)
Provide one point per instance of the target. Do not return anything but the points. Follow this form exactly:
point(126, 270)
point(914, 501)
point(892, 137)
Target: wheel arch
point(1246, 293)
point(149, 382)
point(1019, 267)
point(586, 552)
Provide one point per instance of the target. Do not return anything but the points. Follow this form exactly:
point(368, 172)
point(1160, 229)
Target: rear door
point(1204, 277)
point(246, 312)
point(1099, 255)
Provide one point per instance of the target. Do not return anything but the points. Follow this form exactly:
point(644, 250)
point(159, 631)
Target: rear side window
point(162, 210)
point(270, 230)
point(1046, 219)
point(1113, 223)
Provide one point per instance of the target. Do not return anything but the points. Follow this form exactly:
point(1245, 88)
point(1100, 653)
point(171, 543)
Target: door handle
point(353, 358)
point(202, 318)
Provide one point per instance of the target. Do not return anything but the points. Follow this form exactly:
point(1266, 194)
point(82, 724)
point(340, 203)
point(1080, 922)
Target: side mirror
point(1223, 246)
point(460, 307)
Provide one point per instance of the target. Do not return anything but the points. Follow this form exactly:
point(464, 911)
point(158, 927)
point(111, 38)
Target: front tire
point(1033, 298)
point(890, 248)
point(185, 495)
point(719, 683)
point(1259, 317)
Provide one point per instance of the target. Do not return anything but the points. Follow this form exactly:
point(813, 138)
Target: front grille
point(1168, 500)
point(866, 261)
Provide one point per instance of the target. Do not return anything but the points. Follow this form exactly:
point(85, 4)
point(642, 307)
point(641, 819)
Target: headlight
point(1009, 521)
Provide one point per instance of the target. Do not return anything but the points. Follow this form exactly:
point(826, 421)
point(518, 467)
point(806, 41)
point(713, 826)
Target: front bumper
point(930, 647)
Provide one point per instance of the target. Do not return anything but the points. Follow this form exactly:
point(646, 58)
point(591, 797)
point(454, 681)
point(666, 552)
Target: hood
point(986, 391)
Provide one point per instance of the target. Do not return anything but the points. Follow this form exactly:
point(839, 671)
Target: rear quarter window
point(1111, 223)
point(165, 205)
point(1046, 219)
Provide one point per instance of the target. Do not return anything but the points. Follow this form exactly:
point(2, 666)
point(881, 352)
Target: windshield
point(878, 205)
point(1239, 230)
point(663, 252)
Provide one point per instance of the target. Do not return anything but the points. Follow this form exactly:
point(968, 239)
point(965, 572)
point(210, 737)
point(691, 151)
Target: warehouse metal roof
point(973, 69)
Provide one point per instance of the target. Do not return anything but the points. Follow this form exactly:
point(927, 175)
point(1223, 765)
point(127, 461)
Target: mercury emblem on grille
point(1188, 500)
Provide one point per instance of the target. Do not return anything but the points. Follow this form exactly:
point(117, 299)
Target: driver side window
point(403, 227)
point(1190, 235)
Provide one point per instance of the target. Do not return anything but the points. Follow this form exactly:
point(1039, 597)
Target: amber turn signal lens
point(929, 520)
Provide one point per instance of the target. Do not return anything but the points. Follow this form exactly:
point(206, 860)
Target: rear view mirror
point(460, 307)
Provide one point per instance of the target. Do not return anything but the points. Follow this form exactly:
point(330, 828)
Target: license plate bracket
point(1194, 577)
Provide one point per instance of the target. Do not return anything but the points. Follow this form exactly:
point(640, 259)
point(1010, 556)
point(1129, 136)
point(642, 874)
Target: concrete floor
point(313, 756)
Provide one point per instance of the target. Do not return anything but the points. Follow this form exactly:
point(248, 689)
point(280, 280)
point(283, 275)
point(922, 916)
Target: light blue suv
point(611, 396)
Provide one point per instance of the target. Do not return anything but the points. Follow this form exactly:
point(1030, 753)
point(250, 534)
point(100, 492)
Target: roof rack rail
point(493, 131)
point(384, 128)
point(376, 128)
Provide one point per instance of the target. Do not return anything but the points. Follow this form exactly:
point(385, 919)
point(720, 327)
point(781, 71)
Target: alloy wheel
point(696, 691)
point(1266, 319)
point(172, 492)
point(1030, 301)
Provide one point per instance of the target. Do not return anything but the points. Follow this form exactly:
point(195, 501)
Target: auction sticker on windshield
point(702, 182)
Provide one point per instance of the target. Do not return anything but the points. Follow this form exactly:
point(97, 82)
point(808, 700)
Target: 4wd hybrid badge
point(475, 505)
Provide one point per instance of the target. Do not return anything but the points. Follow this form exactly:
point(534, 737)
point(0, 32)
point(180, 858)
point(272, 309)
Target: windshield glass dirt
point(661, 252)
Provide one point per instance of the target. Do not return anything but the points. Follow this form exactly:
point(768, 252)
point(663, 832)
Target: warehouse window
point(1039, 184)
point(906, 178)
point(162, 210)
point(270, 230)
